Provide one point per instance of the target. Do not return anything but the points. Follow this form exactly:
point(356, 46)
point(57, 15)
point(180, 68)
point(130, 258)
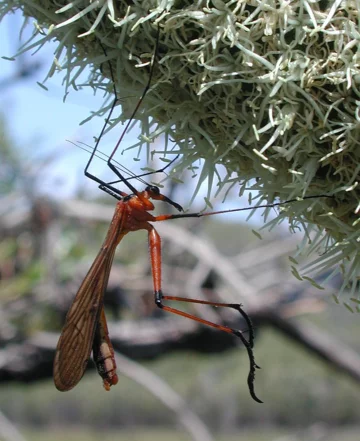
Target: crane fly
point(85, 328)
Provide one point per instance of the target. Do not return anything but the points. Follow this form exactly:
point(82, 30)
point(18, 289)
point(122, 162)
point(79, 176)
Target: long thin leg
point(94, 152)
point(155, 255)
point(112, 164)
point(236, 306)
point(147, 87)
point(119, 195)
point(165, 217)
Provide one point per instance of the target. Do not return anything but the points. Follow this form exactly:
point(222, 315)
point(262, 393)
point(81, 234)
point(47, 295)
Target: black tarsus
point(253, 366)
point(249, 344)
point(238, 307)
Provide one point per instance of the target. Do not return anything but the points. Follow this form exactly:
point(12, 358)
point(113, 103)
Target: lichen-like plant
point(268, 89)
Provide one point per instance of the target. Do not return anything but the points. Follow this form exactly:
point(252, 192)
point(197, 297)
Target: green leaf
point(295, 273)
point(334, 296)
point(347, 306)
point(293, 260)
point(312, 281)
point(257, 234)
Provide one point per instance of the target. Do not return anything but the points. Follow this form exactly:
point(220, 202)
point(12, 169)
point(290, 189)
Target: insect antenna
point(104, 157)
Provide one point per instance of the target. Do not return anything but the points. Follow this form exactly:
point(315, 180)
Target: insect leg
point(155, 255)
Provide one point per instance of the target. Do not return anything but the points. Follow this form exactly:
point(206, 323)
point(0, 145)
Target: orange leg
point(155, 255)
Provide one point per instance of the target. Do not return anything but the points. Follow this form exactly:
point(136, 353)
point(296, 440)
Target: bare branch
point(9, 432)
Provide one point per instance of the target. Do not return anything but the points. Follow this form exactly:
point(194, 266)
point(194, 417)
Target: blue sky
point(38, 120)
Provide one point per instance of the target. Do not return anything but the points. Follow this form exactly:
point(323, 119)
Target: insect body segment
point(103, 353)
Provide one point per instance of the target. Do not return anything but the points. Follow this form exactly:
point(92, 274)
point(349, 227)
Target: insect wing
point(74, 346)
point(75, 343)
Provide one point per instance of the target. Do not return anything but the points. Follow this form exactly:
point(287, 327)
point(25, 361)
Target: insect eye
point(153, 189)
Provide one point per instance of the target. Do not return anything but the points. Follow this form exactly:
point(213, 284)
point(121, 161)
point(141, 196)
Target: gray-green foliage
point(268, 89)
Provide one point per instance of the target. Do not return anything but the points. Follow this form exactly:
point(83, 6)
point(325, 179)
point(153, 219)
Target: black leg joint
point(238, 307)
point(158, 297)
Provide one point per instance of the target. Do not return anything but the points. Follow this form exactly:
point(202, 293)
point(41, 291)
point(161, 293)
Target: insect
point(85, 329)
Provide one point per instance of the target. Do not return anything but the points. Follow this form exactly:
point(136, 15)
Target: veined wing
point(75, 343)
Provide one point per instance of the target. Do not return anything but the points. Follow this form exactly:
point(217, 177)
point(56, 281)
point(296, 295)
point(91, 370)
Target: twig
point(8, 431)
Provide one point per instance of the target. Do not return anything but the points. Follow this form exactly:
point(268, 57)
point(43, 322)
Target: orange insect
point(85, 326)
point(85, 329)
